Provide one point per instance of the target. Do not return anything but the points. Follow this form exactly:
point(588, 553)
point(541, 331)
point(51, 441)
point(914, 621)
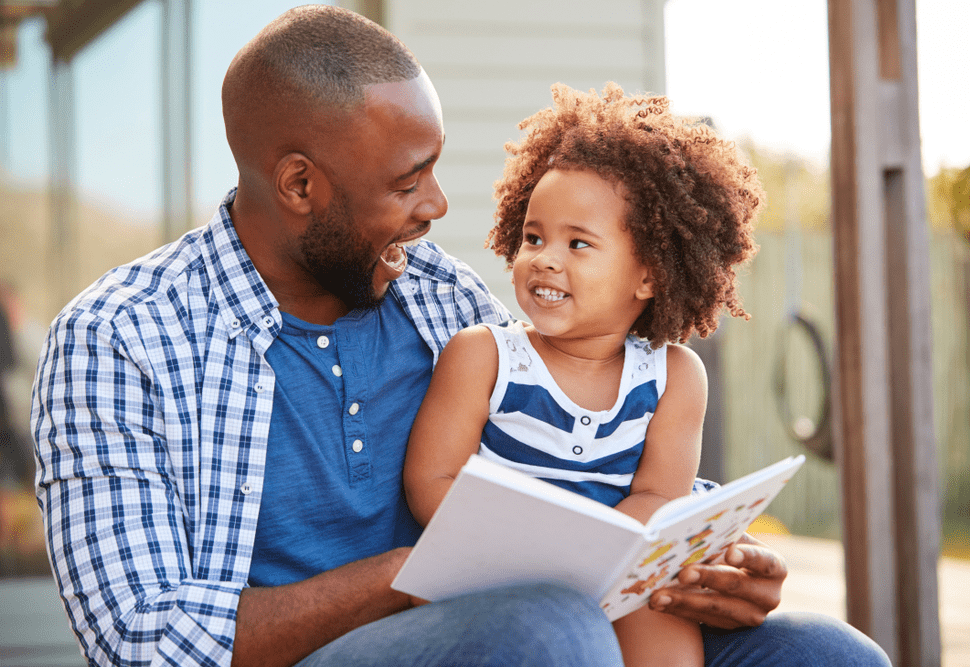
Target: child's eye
point(532, 239)
point(576, 244)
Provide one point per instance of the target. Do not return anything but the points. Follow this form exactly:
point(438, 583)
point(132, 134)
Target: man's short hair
point(332, 54)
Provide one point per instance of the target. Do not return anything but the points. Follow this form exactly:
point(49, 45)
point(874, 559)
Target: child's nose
point(546, 261)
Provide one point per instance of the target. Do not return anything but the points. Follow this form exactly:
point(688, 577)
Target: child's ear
point(645, 289)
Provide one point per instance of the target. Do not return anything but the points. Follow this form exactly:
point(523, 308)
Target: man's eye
point(412, 189)
point(576, 244)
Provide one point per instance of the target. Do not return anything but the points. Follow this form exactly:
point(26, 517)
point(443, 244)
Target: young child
point(622, 226)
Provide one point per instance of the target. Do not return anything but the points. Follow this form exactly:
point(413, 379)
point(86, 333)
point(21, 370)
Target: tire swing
point(812, 432)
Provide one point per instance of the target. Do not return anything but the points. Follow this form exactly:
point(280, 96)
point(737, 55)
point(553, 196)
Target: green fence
point(799, 268)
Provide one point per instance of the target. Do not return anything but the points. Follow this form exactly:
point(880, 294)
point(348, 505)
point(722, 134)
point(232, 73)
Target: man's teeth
point(394, 255)
point(549, 294)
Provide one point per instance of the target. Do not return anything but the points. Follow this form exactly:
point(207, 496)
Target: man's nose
point(435, 204)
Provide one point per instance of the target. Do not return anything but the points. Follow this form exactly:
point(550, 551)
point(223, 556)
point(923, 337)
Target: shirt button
point(354, 408)
point(357, 446)
point(577, 450)
point(323, 342)
point(235, 324)
point(337, 370)
point(267, 322)
point(246, 489)
point(260, 387)
point(585, 420)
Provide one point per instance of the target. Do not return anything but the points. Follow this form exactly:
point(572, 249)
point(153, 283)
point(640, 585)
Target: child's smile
point(549, 294)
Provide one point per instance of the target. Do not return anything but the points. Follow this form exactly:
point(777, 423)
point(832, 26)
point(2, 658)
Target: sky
point(758, 68)
point(769, 79)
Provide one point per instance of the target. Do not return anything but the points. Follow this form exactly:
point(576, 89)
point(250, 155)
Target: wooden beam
point(884, 431)
point(73, 24)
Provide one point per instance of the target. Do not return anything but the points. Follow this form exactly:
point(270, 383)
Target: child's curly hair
point(693, 198)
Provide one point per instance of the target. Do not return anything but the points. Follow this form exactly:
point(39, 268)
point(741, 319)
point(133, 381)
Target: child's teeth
point(550, 294)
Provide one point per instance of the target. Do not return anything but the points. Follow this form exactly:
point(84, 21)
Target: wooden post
point(884, 430)
point(62, 124)
point(176, 138)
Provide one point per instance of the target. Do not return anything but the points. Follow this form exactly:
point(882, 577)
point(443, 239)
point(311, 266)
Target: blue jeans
point(790, 639)
point(546, 625)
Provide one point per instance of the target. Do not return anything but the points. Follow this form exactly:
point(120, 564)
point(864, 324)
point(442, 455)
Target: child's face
point(576, 274)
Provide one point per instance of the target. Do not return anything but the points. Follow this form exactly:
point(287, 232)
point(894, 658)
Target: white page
point(485, 535)
point(675, 510)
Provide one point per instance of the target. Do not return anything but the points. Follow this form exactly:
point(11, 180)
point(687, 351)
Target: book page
point(495, 529)
point(696, 532)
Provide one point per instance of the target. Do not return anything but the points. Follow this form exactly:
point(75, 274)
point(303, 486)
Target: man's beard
point(340, 259)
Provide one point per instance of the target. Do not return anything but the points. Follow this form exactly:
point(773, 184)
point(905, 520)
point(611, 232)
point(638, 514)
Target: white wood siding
point(492, 64)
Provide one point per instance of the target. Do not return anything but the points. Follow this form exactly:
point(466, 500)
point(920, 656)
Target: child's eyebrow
point(585, 231)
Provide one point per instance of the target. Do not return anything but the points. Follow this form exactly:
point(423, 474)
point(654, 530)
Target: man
point(221, 426)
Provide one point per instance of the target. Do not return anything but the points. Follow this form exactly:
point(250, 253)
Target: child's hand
point(737, 592)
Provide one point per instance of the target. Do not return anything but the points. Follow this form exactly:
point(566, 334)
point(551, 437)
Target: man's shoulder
point(157, 278)
point(427, 260)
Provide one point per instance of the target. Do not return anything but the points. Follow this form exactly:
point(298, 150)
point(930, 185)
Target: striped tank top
point(534, 427)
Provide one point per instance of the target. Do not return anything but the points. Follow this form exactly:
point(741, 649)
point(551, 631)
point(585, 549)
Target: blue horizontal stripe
point(598, 491)
point(619, 463)
point(537, 402)
point(640, 401)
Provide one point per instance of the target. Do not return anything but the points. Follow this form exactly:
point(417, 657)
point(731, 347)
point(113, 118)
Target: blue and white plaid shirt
point(151, 411)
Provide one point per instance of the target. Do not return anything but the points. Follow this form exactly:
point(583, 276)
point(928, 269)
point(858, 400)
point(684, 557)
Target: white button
point(354, 407)
point(337, 370)
point(585, 420)
point(246, 489)
point(259, 387)
point(323, 342)
point(267, 321)
point(357, 446)
point(235, 324)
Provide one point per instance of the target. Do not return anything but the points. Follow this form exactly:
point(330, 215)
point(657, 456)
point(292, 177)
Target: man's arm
point(282, 625)
point(737, 593)
point(131, 541)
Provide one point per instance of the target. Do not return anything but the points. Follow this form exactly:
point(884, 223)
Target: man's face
point(339, 257)
point(384, 192)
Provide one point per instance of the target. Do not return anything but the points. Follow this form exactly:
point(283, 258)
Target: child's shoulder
point(487, 331)
point(474, 340)
point(684, 364)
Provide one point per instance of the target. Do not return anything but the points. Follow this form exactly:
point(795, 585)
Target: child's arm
point(448, 428)
point(672, 448)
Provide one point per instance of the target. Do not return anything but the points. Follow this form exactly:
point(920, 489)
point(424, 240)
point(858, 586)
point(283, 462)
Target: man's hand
point(737, 592)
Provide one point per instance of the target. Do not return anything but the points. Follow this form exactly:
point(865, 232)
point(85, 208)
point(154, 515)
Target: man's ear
point(645, 289)
point(300, 185)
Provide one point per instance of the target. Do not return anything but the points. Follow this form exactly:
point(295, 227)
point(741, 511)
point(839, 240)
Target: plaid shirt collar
point(244, 299)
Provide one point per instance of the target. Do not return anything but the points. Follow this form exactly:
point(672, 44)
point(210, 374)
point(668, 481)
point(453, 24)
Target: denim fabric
point(524, 625)
point(544, 625)
point(790, 640)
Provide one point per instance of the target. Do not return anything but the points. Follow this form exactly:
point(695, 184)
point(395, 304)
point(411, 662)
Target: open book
point(497, 527)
